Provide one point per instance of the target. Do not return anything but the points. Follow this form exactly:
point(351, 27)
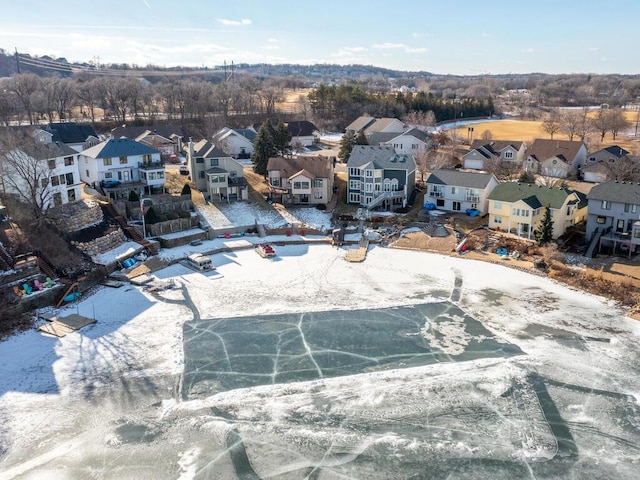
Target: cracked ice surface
point(409, 365)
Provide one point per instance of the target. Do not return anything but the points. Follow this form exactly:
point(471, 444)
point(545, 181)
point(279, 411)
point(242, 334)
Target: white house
point(236, 143)
point(456, 191)
point(483, 152)
point(410, 142)
point(123, 165)
point(48, 175)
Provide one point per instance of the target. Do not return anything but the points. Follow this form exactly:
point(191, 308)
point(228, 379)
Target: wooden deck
point(358, 254)
point(60, 327)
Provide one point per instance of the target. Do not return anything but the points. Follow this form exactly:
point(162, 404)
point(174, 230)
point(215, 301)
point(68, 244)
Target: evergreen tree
point(544, 233)
point(133, 196)
point(361, 139)
point(186, 190)
point(264, 148)
point(151, 217)
point(347, 142)
point(282, 139)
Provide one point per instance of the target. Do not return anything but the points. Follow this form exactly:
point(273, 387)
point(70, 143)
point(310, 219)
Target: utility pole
point(17, 60)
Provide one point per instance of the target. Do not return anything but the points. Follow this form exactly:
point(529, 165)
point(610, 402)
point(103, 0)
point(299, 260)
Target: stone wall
point(162, 204)
point(78, 215)
point(102, 244)
point(170, 226)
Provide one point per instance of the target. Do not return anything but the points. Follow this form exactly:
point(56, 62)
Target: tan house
point(300, 180)
point(555, 158)
point(216, 174)
point(519, 208)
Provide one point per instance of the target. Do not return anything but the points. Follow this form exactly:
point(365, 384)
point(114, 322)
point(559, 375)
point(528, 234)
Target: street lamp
point(144, 228)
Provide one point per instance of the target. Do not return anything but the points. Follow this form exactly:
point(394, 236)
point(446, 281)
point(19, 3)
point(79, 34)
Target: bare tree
point(7, 106)
point(551, 123)
point(25, 170)
point(626, 168)
point(570, 122)
point(617, 121)
point(420, 120)
point(24, 86)
point(503, 170)
point(487, 135)
point(600, 122)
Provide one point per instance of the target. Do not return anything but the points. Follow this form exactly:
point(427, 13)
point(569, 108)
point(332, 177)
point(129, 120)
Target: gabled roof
point(249, 133)
point(380, 124)
point(534, 195)
point(543, 149)
point(457, 178)
point(301, 128)
point(316, 167)
point(135, 131)
point(614, 150)
point(616, 192)
point(206, 149)
point(71, 132)
point(376, 138)
point(494, 145)
point(304, 172)
point(119, 147)
point(380, 157)
point(360, 123)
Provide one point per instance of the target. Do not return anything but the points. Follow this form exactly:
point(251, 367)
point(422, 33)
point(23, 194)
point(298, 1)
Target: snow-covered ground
point(461, 369)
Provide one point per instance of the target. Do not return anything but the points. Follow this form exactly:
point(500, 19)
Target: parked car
point(109, 183)
point(184, 170)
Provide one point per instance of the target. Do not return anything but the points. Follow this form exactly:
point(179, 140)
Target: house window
point(592, 159)
point(69, 179)
point(62, 180)
point(453, 190)
point(368, 187)
point(606, 205)
point(497, 219)
point(378, 173)
point(601, 220)
point(317, 195)
point(368, 173)
point(71, 194)
point(440, 202)
point(106, 161)
point(57, 199)
point(317, 182)
point(508, 154)
point(199, 160)
point(354, 172)
point(200, 174)
point(123, 160)
point(275, 182)
point(630, 207)
point(354, 184)
point(86, 172)
point(44, 182)
point(68, 161)
point(636, 234)
point(108, 175)
point(55, 181)
point(146, 158)
point(52, 164)
point(354, 198)
point(497, 205)
point(214, 162)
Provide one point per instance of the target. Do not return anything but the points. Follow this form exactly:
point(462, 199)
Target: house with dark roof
point(458, 191)
point(604, 164)
point(78, 136)
point(216, 174)
point(235, 142)
point(165, 138)
point(123, 165)
point(301, 180)
point(303, 133)
point(555, 158)
point(483, 153)
point(411, 141)
point(614, 209)
point(519, 208)
point(378, 177)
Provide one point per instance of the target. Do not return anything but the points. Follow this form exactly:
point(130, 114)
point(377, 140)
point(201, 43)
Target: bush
point(186, 190)
point(184, 214)
point(151, 216)
point(133, 196)
point(172, 216)
point(321, 206)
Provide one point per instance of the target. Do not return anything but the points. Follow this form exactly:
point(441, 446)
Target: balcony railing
point(157, 165)
point(436, 194)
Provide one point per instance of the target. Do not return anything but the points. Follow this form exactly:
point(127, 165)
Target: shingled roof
point(381, 158)
point(460, 179)
point(71, 132)
point(206, 149)
point(616, 192)
point(536, 196)
point(119, 147)
point(543, 149)
point(317, 167)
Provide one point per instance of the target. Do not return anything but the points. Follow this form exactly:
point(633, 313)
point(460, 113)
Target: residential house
point(614, 210)
point(457, 191)
point(483, 153)
point(236, 143)
point(372, 125)
point(601, 164)
point(555, 158)
point(124, 165)
point(75, 135)
point(167, 139)
point(53, 166)
point(412, 141)
point(301, 180)
point(379, 177)
point(519, 208)
point(216, 174)
point(303, 133)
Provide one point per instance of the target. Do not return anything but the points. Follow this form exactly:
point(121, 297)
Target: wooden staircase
point(129, 230)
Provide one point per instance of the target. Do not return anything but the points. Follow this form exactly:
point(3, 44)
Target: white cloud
point(348, 51)
point(416, 50)
point(389, 46)
point(234, 23)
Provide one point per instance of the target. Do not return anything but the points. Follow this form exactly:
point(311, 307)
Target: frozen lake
point(408, 365)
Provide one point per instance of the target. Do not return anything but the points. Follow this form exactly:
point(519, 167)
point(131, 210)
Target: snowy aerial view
point(407, 365)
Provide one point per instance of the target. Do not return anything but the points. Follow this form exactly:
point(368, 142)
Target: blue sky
point(463, 37)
